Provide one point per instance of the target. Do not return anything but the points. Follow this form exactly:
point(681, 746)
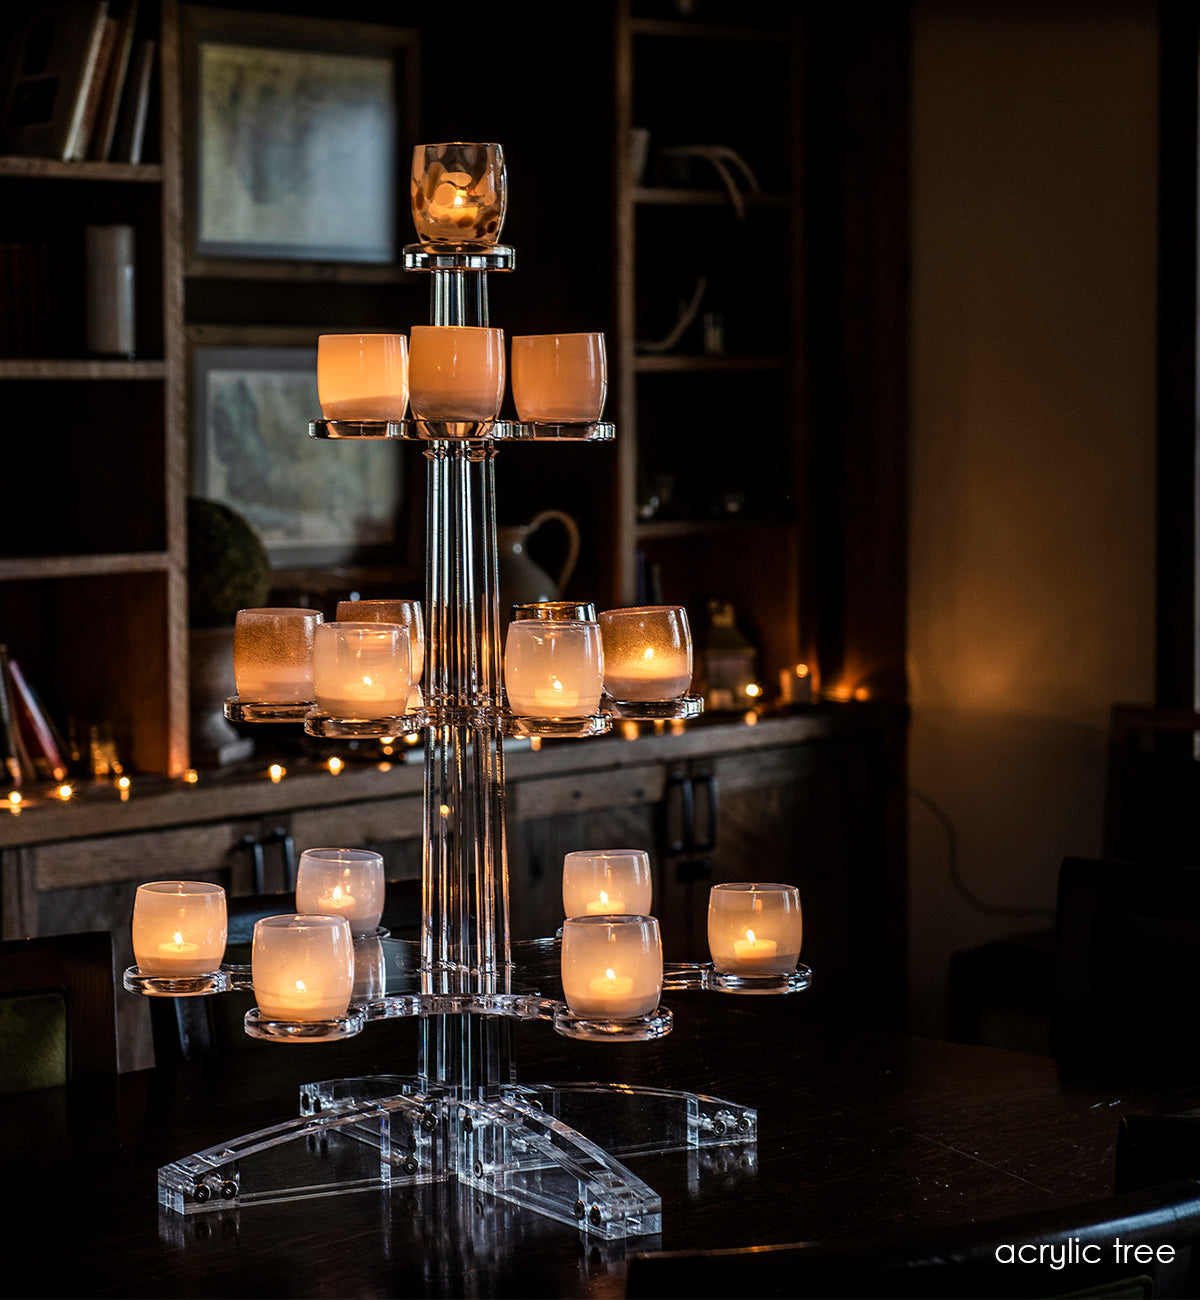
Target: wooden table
point(858, 1133)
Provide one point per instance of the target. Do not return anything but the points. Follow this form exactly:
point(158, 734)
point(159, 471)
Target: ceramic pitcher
point(522, 580)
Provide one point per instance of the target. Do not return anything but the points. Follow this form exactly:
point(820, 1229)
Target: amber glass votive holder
point(362, 376)
point(559, 378)
point(647, 653)
point(459, 194)
point(273, 654)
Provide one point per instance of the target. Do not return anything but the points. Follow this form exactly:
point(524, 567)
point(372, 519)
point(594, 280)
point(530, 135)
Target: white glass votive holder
point(273, 654)
point(405, 612)
point(362, 670)
point(612, 966)
point(459, 193)
point(362, 376)
point(179, 928)
point(647, 653)
point(342, 882)
point(302, 967)
point(559, 378)
point(456, 372)
point(754, 929)
point(553, 668)
point(599, 882)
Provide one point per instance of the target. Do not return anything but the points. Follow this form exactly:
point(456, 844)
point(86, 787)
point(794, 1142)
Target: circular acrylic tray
point(326, 727)
point(687, 706)
point(462, 430)
point(238, 710)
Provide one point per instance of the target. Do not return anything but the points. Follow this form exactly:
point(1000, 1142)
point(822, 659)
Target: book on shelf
point(130, 140)
point(16, 766)
point(52, 68)
point(34, 728)
point(124, 15)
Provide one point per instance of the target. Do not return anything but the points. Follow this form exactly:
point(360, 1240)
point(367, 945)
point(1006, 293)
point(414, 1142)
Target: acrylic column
point(465, 937)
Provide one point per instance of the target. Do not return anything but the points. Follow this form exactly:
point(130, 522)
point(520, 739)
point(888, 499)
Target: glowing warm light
point(276, 772)
point(535, 743)
point(412, 739)
point(14, 801)
point(336, 765)
point(753, 689)
point(630, 730)
point(750, 718)
point(862, 693)
point(65, 792)
point(445, 810)
point(123, 786)
point(801, 670)
point(191, 776)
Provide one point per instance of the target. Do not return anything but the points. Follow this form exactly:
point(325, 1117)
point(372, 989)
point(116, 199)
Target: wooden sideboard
point(814, 798)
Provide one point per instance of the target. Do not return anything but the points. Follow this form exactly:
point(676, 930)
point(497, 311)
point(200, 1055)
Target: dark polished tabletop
point(858, 1133)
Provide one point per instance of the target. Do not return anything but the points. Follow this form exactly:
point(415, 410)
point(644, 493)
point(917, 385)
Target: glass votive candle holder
point(559, 378)
point(405, 612)
point(179, 928)
point(647, 653)
point(612, 966)
point(370, 970)
point(459, 193)
point(598, 882)
point(553, 668)
point(342, 882)
point(362, 376)
point(302, 967)
point(754, 929)
point(362, 670)
point(273, 654)
point(456, 372)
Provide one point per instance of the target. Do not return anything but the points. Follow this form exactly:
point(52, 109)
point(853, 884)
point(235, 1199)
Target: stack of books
point(77, 82)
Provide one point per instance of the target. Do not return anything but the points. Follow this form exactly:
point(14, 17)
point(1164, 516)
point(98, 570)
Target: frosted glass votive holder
point(362, 670)
point(459, 193)
point(612, 966)
point(302, 967)
point(273, 654)
point(599, 882)
point(342, 882)
point(559, 378)
point(179, 928)
point(362, 376)
point(754, 929)
point(647, 653)
point(456, 372)
point(405, 612)
point(553, 668)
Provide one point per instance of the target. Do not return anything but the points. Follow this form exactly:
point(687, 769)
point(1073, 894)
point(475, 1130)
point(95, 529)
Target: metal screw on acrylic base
point(551, 1150)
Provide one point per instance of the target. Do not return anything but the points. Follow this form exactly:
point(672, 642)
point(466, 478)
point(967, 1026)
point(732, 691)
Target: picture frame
point(314, 503)
point(293, 133)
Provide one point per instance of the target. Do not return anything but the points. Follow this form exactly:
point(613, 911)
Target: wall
point(1032, 459)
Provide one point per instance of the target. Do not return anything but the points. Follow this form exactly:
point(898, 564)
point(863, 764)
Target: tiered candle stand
point(553, 1150)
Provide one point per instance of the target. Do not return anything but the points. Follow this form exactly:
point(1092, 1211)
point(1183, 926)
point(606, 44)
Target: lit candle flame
point(610, 974)
point(603, 898)
point(178, 937)
point(750, 937)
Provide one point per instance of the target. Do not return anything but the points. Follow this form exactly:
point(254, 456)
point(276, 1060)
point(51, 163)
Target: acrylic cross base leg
point(553, 1149)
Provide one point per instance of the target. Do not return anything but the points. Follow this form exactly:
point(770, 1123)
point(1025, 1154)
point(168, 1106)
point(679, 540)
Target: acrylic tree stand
point(551, 1149)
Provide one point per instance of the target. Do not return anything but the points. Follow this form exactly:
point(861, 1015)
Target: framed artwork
point(294, 132)
point(313, 502)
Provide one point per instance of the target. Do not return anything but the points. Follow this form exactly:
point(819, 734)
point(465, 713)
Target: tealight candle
point(273, 654)
point(459, 193)
point(647, 653)
point(553, 668)
point(179, 928)
point(755, 929)
point(560, 378)
point(456, 372)
point(362, 376)
point(302, 967)
point(342, 882)
point(362, 670)
point(598, 882)
point(612, 966)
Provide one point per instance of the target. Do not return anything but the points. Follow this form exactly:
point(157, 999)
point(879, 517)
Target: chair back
point(1126, 966)
point(1064, 1251)
point(58, 1014)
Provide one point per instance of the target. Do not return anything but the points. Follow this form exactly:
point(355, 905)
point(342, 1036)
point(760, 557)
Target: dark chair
point(1126, 967)
point(58, 1016)
point(964, 1260)
point(1152, 786)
